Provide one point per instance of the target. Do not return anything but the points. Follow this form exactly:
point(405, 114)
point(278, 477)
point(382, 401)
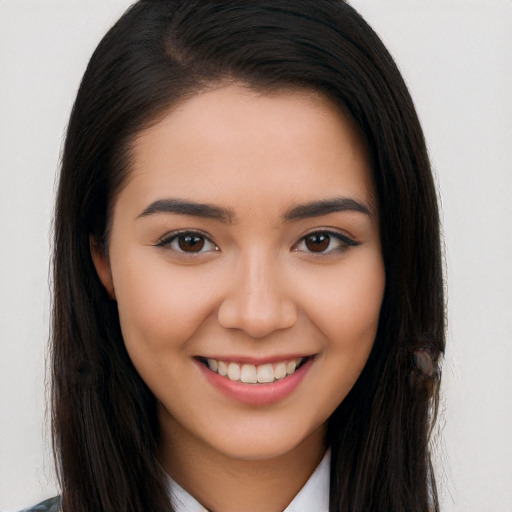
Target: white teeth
point(251, 374)
point(280, 371)
point(265, 373)
point(290, 367)
point(222, 368)
point(248, 374)
point(234, 371)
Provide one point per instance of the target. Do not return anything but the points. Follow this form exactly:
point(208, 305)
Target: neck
point(222, 483)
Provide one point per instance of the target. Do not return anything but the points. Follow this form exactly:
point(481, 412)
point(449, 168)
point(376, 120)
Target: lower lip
point(257, 394)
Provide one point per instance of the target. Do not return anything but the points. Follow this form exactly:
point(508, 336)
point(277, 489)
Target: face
point(245, 258)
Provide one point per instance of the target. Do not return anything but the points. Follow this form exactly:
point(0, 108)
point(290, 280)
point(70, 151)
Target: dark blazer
point(51, 505)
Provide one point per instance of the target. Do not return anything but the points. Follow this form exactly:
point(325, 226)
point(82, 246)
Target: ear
point(102, 265)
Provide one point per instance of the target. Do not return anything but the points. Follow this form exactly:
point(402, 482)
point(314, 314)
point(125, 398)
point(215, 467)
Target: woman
point(248, 302)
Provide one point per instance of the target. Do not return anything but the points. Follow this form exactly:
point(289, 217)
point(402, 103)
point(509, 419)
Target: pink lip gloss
point(257, 394)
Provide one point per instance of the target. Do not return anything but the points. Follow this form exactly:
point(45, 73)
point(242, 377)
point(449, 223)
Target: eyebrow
point(180, 207)
point(208, 211)
point(326, 206)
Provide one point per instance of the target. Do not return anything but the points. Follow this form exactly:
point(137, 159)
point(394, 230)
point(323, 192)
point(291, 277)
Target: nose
point(258, 300)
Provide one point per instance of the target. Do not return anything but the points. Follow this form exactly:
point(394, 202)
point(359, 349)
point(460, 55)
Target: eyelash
point(344, 242)
point(176, 237)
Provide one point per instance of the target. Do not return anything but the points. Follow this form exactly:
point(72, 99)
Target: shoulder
point(51, 505)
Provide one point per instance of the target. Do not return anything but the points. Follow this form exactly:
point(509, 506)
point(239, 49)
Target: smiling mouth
point(254, 374)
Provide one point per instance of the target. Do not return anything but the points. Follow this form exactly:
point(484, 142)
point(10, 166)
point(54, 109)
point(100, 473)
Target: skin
point(261, 286)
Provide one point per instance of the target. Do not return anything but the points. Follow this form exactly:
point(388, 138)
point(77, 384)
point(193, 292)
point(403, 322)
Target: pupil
point(318, 242)
point(191, 243)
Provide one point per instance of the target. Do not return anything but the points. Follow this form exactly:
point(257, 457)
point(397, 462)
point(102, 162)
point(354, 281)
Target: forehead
point(289, 145)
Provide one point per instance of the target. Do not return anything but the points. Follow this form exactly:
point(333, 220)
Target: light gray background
point(455, 56)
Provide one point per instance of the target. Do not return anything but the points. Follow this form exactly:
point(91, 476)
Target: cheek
point(346, 310)
point(346, 306)
point(349, 322)
point(160, 308)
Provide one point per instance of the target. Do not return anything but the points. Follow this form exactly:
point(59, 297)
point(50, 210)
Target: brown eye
point(191, 243)
point(325, 242)
point(188, 242)
point(317, 242)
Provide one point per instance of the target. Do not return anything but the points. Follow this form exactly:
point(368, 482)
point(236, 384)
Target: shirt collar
point(313, 496)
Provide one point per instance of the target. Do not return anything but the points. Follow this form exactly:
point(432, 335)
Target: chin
point(262, 444)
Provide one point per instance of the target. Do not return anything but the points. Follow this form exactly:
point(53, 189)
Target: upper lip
point(256, 361)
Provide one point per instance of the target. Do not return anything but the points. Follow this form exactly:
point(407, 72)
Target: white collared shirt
point(313, 497)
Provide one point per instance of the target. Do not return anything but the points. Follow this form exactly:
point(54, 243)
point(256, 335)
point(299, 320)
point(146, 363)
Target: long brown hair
point(160, 51)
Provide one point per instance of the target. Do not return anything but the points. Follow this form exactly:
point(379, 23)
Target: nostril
point(256, 303)
point(255, 321)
